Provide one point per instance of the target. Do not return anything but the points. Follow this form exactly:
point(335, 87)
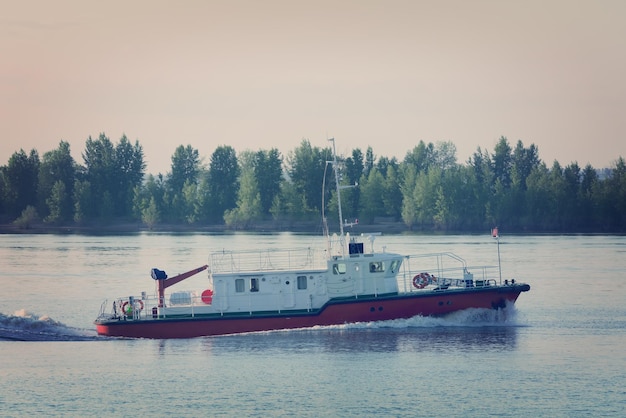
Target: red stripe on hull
point(336, 312)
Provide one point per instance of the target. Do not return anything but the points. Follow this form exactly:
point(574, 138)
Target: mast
point(336, 170)
point(338, 187)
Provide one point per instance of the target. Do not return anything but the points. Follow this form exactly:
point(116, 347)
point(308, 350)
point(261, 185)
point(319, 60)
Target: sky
point(267, 74)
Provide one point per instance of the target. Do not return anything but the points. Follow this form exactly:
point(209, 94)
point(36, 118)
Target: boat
point(348, 281)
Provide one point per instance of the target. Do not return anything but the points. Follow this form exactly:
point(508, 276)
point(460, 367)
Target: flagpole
point(496, 235)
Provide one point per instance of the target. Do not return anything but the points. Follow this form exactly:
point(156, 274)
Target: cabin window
point(394, 265)
point(239, 285)
point(377, 267)
point(254, 284)
point(355, 248)
point(339, 268)
point(301, 282)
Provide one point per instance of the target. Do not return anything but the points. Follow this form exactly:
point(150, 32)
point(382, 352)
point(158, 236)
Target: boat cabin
point(357, 275)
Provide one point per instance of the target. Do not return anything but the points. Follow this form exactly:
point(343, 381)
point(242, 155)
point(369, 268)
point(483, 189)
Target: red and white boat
point(346, 282)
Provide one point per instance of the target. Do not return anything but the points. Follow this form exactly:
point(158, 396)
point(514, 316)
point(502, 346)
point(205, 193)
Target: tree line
point(428, 190)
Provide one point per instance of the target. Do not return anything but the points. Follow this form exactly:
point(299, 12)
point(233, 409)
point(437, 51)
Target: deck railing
point(447, 270)
point(267, 260)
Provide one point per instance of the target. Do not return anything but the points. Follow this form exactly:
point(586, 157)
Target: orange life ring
point(421, 280)
point(128, 309)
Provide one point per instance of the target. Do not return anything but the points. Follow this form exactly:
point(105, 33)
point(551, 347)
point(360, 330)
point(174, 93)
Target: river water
point(560, 352)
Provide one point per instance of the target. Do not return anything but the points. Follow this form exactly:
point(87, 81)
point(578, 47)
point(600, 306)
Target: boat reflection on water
point(431, 336)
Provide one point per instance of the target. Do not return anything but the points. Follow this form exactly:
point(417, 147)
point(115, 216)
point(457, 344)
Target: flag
point(494, 232)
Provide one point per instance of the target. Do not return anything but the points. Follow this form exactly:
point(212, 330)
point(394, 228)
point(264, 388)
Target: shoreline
point(268, 227)
point(135, 228)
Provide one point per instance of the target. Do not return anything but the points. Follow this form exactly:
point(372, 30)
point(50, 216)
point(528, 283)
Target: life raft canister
point(421, 280)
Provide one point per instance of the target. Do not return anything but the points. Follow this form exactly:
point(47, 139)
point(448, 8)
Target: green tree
point(290, 206)
point(248, 208)
point(571, 198)
point(455, 203)
point(182, 182)
point(523, 161)
point(57, 166)
point(154, 188)
point(269, 175)
point(425, 196)
point(421, 157)
point(444, 155)
point(409, 205)
point(20, 181)
point(26, 219)
point(502, 161)
point(354, 166)
point(99, 158)
point(589, 186)
point(306, 168)
point(537, 196)
point(112, 172)
point(372, 192)
point(185, 167)
point(558, 193)
point(129, 167)
point(56, 203)
point(470, 204)
point(422, 191)
point(189, 197)
point(370, 159)
point(482, 177)
point(222, 185)
point(108, 207)
point(354, 170)
point(615, 196)
point(392, 195)
point(82, 200)
point(501, 199)
point(3, 192)
point(150, 214)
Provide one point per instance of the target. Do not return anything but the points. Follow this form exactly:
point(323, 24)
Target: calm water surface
point(560, 352)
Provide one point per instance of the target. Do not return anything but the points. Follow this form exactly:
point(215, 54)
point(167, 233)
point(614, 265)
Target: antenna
point(324, 221)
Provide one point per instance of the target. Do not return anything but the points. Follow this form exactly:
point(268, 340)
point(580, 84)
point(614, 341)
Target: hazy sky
point(262, 74)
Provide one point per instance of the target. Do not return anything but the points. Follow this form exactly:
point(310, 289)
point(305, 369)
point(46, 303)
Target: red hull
point(336, 312)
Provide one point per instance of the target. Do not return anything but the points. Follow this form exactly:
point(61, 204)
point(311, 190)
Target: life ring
point(421, 280)
point(207, 296)
point(128, 309)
